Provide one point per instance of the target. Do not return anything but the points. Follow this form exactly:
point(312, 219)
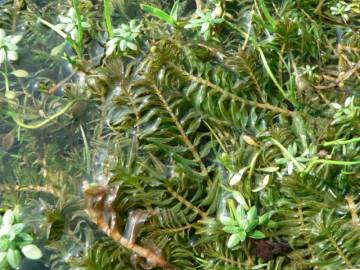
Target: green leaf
point(20, 73)
point(123, 45)
point(3, 260)
point(252, 214)
point(17, 228)
point(240, 199)
point(232, 208)
point(162, 15)
point(131, 46)
point(234, 240)
point(31, 252)
point(227, 221)
point(231, 229)
point(236, 177)
point(257, 235)
point(251, 224)
point(4, 243)
point(267, 14)
point(270, 73)
point(264, 219)
point(242, 235)
point(240, 213)
point(13, 257)
point(8, 218)
point(174, 10)
point(57, 50)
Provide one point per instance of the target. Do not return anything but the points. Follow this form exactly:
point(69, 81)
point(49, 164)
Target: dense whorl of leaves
point(266, 111)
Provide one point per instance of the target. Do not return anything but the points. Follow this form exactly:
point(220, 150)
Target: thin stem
point(46, 121)
point(65, 36)
point(331, 162)
point(107, 14)
point(7, 86)
point(342, 141)
point(184, 137)
point(268, 70)
point(187, 203)
point(287, 154)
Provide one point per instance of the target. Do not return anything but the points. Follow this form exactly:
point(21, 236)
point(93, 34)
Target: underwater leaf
point(13, 257)
point(20, 73)
point(263, 185)
point(17, 228)
point(264, 219)
point(235, 239)
point(57, 50)
point(8, 218)
point(257, 235)
point(159, 13)
point(31, 252)
point(252, 214)
point(2, 258)
point(236, 177)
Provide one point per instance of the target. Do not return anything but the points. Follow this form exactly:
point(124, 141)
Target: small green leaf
point(20, 73)
point(123, 45)
point(4, 244)
point(132, 46)
point(268, 169)
point(174, 10)
point(2, 257)
point(231, 229)
point(232, 208)
point(8, 218)
point(240, 213)
point(56, 51)
point(257, 235)
point(251, 224)
point(242, 235)
point(17, 228)
point(264, 219)
point(13, 257)
point(227, 221)
point(162, 15)
point(240, 199)
point(252, 214)
point(233, 241)
point(236, 177)
point(31, 252)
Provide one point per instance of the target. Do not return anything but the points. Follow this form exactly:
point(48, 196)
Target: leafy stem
point(79, 26)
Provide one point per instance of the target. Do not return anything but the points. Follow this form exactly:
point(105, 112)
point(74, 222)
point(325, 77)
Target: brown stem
point(352, 208)
point(57, 86)
point(186, 203)
point(97, 215)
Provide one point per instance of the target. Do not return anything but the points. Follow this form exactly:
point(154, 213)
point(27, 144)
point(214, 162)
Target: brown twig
point(341, 78)
point(57, 86)
point(98, 216)
point(198, 4)
point(352, 208)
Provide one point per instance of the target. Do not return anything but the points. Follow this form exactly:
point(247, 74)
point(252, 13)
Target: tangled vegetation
point(213, 134)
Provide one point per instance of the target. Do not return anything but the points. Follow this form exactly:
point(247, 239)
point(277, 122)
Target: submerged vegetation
point(218, 134)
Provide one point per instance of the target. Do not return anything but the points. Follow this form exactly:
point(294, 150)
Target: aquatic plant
point(8, 47)
point(206, 22)
point(13, 239)
point(124, 38)
point(195, 135)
